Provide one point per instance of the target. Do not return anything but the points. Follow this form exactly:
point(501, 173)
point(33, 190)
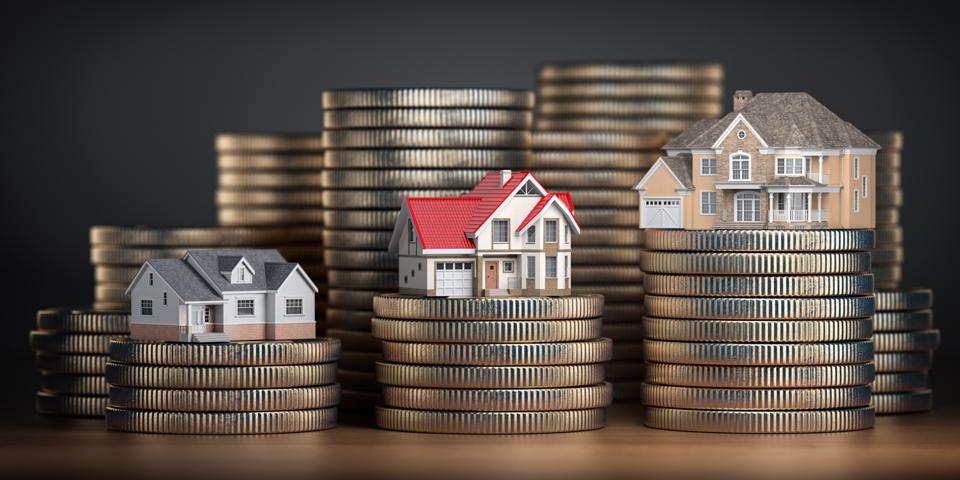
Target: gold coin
point(110, 293)
point(246, 197)
point(488, 308)
point(730, 376)
point(888, 179)
point(472, 376)
point(603, 198)
point(903, 321)
point(903, 361)
point(906, 341)
point(553, 353)
point(899, 382)
point(85, 321)
point(402, 178)
point(749, 263)
point(188, 237)
point(608, 217)
point(730, 308)
point(887, 277)
point(392, 199)
point(758, 331)
point(615, 90)
point(631, 108)
point(891, 140)
point(902, 402)
point(428, 98)
point(284, 352)
point(252, 400)
point(500, 400)
point(616, 124)
point(242, 216)
point(606, 256)
point(352, 299)
point(55, 342)
point(886, 254)
point(341, 319)
point(587, 160)
point(360, 259)
point(71, 405)
point(758, 354)
point(268, 142)
point(428, 158)
point(627, 71)
point(754, 398)
point(612, 293)
point(598, 141)
point(71, 364)
point(734, 421)
point(427, 118)
point(269, 180)
point(274, 376)
point(220, 423)
point(269, 162)
point(355, 340)
point(623, 312)
point(904, 299)
point(73, 384)
point(594, 178)
point(363, 239)
point(758, 286)
point(889, 161)
point(363, 219)
point(109, 255)
point(426, 138)
point(892, 197)
point(760, 240)
point(889, 234)
point(363, 279)
point(487, 331)
point(490, 423)
point(607, 274)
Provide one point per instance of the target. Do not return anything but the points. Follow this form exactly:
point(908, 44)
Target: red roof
point(491, 196)
point(440, 222)
point(563, 197)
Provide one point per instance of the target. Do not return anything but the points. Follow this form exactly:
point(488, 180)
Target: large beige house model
point(778, 160)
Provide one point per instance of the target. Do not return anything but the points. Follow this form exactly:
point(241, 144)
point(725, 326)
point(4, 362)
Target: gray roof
point(210, 261)
point(790, 181)
point(227, 262)
point(680, 165)
point(184, 280)
point(785, 119)
point(278, 272)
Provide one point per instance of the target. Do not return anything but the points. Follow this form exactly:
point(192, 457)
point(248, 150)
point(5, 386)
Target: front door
point(492, 274)
point(197, 322)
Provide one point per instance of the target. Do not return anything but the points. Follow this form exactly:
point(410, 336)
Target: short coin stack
point(495, 365)
point(905, 339)
point(758, 331)
point(71, 347)
point(223, 388)
point(888, 254)
point(268, 180)
point(383, 145)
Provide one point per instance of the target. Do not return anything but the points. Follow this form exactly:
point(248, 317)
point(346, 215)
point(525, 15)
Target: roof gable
point(441, 222)
point(562, 200)
point(678, 166)
point(182, 279)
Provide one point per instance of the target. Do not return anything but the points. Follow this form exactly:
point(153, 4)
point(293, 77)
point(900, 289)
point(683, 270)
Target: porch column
point(789, 207)
point(809, 206)
point(770, 207)
point(820, 167)
point(820, 206)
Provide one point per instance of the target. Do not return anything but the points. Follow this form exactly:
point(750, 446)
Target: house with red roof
point(507, 236)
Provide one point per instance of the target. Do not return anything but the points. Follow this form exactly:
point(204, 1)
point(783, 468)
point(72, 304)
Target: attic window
point(741, 134)
point(151, 279)
point(528, 190)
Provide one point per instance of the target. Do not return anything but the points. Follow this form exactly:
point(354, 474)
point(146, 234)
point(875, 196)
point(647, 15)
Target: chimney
point(740, 98)
point(505, 176)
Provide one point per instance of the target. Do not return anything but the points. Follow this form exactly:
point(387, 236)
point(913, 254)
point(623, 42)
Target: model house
point(507, 236)
point(222, 295)
point(778, 160)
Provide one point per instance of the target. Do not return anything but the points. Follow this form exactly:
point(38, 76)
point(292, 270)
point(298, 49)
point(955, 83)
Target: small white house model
point(507, 236)
point(222, 295)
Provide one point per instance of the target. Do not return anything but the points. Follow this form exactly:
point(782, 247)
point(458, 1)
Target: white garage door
point(455, 279)
point(661, 213)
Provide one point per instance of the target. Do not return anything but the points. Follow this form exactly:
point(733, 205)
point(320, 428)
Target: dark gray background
point(109, 109)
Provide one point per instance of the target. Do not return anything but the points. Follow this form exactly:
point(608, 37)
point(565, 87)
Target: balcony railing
point(798, 216)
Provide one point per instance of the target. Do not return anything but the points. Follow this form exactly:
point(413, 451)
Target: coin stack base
point(905, 340)
point(758, 331)
point(222, 388)
point(496, 365)
point(71, 353)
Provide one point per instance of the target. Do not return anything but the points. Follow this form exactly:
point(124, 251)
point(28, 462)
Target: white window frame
point(506, 230)
point(150, 278)
point(566, 233)
point(146, 307)
point(741, 134)
point(287, 306)
point(164, 298)
point(708, 166)
point(748, 159)
point(532, 267)
point(737, 210)
point(703, 202)
point(856, 200)
point(856, 168)
point(207, 318)
point(863, 185)
point(531, 237)
point(253, 307)
point(528, 190)
point(546, 230)
point(546, 266)
point(796, 163)
point(504, 265)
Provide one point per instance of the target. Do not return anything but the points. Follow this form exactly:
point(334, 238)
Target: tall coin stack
point(905, 340)
point(222, 388)
point(888, 254)
point(493, 365)
point(273, 181)
point(71, 352)
point(383, 145)
point(599, 127)
point(758, 331)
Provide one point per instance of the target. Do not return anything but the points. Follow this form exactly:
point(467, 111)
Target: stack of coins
point(273, 180)
point(905, 340)
point(222, 388)
point(492, 365)
point(599, 127)
point(71, 347)
point(383, 145)
point(888, 254)
point(758, 331)
point(117, 253)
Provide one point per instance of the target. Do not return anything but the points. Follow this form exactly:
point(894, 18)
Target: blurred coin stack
point(905, 340)
point(383, 145)
point(117, 253)
point(273, 181)
point(222, 388)
point(888, 254)
point(502, 365)
point(758, 331)
point(71, 350)
point(599, 127)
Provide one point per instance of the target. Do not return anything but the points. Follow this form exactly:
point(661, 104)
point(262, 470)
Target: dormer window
point(528, 190)
point(236, 270)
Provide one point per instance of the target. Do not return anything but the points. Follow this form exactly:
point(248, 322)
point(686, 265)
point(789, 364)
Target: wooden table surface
point(902, 447)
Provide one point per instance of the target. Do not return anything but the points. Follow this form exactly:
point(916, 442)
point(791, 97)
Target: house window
point(568, 266)
point(747, 207)
point(419, 265)
point(863, 186)
point(409, 230)
point(507, 267)
point(407, 280)
point(532, 234)
point(150, 276)
point(206, 314)
point(531, 267)
point(708, 166)
point(550, 268)
point(500, 231)
point(146, 307)
point(164, 298)
point(790, 166)
point(739, 166)
point(566, 232)
point(528, 189)
point(856, 200)
point(242, 275)
point(856, 167)
point(708, 203)
point(550, 231)
point(244, 308)
point(294, 306)
point(741, 134)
